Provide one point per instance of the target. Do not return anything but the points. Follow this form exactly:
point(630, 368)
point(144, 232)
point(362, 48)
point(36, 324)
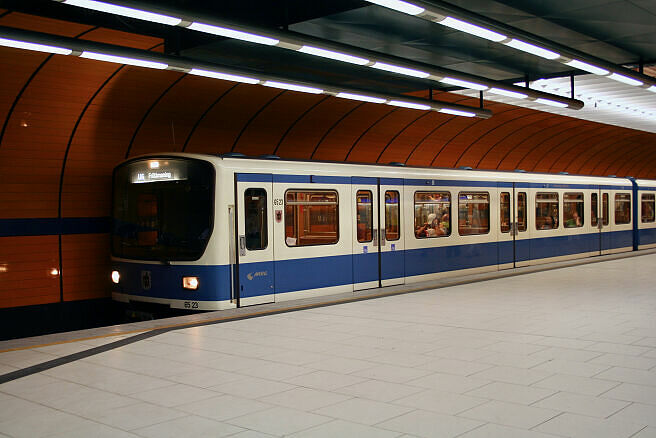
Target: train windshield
point(162, 209)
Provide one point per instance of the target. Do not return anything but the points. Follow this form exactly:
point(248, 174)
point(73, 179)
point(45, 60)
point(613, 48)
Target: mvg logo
point(145, 280)
point(252, 275)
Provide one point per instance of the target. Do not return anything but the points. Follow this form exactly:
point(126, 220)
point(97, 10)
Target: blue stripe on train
point(647, 236)
point(320, 272)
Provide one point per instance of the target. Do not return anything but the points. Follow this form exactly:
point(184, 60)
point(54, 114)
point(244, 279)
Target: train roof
point(331, 168)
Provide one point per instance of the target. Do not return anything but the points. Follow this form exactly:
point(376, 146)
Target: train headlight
point(116, 277)
point(190, 283)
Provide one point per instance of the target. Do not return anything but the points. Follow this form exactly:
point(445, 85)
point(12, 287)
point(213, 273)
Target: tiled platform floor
point(568, 352)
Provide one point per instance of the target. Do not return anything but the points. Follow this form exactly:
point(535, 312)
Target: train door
point(392, 262)
point(605, 224)
point(366, 255)
point(596, 220)
point(505, 236)
point(520, 233)
point(255, 279)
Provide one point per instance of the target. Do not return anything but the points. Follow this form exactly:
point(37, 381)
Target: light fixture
point(116, 277)
point(532, 49)
point(293, 87)
point(54, 272)
point(508, 93)
point(400, 70)
point(360, 97)
point(224, 76)
point(456, 112)
point(123, 60)
point(316, 51)
point(464, 84)
point(153, 164)
point(232, 33)
point(652, 88)
point(401, 6)
point(587, 67)
point(125, 11)
point(33, 46)
point(412, 105)
point(472, 29)
point(625, 79)
point(551, 103)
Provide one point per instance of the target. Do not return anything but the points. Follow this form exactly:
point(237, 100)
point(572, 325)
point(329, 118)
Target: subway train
point(211, 232)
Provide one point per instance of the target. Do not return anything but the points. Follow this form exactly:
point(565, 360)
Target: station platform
point(566, 350)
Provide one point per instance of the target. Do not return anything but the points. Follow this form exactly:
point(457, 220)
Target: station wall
point(66, 122)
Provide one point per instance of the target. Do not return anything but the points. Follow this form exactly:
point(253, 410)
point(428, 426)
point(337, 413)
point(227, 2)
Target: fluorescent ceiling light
point(231, 33)
point(409, 105)
point(32, 46)
point(551, 103)
point(224, 76)
point(333, 55)
point(508, 93)
point(126, 12)
point(532, 49)
point(293, 87)
point(360, 97)
point(400, 70)
point(398, 5)
point(123, 60)
point(472, 29)
point(625, 79)
point(456, 112)
point(465, 84)
point(652, 88)
point(587, 67)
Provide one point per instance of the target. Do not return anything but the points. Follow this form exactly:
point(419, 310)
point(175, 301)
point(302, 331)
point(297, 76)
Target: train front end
point(163, 221)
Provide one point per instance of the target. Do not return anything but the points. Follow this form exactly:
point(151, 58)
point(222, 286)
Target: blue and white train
point(217, 232)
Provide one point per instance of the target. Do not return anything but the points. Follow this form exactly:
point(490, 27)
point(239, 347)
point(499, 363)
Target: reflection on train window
point(311, 217)
point(255, 218)
point(546, 211)
point(392, 218)
point(522, 212)
point(594, 209)
point(622, 208)
point(432, 214)
point(473, 213)
point(573, 210)
point(504, 208)
point(647, 207)
point(604, 209)
point(365, 219)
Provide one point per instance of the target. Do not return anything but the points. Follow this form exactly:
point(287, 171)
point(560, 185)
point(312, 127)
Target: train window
point(622, 208)
point(522, 219)
point(546, 211)
point(647, 207)
point(504, 208)
point(604, 209)
point(365, 215)
point(392, 215)
point(594, 209)
point(311, 217)
point(473, 213)
point(255, 208)
point(432, 214)
point(573, 210)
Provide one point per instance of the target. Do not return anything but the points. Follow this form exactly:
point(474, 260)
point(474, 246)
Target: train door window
point(392, 215)
point(604, 209)
point(255, 218)
point(504, 208)
point(594, 209)
point(573, 210)
point(365, 215)
point(522, 219)
point(647, 207)
point(473, 213)
point(311, 217)
point(622, 208)
point(432, 214)
point(546, 211)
